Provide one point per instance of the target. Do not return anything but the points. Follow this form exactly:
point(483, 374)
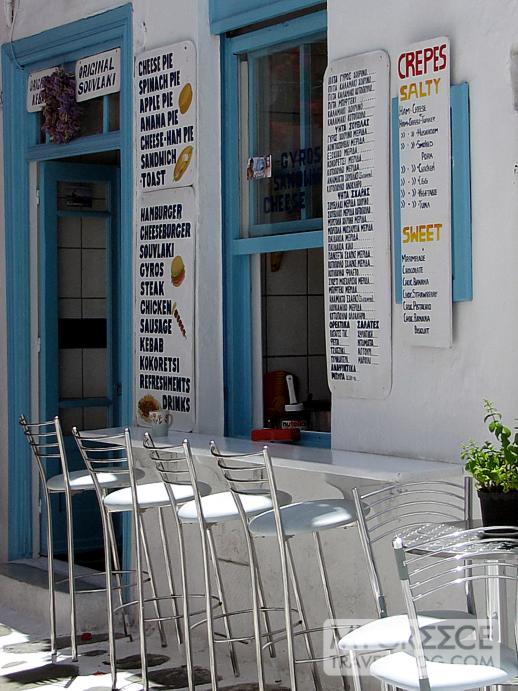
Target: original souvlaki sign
point(98, 75)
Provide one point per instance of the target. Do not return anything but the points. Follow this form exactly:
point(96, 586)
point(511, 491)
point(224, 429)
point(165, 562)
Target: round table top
point(451, 539)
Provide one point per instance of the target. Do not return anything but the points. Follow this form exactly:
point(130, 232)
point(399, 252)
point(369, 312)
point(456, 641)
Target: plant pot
point(499, 508)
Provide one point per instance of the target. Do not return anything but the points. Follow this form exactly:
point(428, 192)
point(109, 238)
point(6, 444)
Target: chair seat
point(400, 669)
point(151, 495)
point(307, 517)
point(221, 506)
point(393, 632)
point(82, 480)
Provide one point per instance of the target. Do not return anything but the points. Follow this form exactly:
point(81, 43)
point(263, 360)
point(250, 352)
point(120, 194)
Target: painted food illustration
point(177, 271)
point(182, 163)
point(185, 98)
point(146, 404)
point(179, 321)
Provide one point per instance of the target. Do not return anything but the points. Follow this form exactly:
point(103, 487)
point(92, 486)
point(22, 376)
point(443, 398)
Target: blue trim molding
point(462, 274)
point(62, 44)
point(226, 15)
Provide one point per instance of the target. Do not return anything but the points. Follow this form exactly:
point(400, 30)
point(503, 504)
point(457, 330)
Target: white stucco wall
point(436, 399)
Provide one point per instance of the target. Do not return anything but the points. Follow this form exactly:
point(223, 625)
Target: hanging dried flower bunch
point(62, 114)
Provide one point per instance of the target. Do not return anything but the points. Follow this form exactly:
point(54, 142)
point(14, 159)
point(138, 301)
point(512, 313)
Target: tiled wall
point(82, 317)
point(293, 319)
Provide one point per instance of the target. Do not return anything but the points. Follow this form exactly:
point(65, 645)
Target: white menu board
point(164, 304)
point(98, 75)
point(356, 213)
point(35, 100)
point(425, 171)
point(165, 88)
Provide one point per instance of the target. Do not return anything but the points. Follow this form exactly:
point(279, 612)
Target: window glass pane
point(292, 298)
point(80, 196)
point(114, 117)
point(285, 121)
point(92, 116)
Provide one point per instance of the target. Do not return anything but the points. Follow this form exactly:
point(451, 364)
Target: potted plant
point(494, 467)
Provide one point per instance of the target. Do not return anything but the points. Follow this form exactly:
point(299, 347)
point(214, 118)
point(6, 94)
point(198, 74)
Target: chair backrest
point(47, 444)
point(108, 456)
point(413, 510)
point(249, 474)
point(444, 562)
point(175, 466)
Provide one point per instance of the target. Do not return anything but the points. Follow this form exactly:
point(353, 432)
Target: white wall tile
point(94, 308)
point(70, 373)
point(93, 231)
point(69, 273)
point(95, 418)
point(316, 271)
point(291, 277)
point(69, 231)
point(94, 273)
point(70, 308)
point(94, 380)
point(316, 331)
point(287, 325)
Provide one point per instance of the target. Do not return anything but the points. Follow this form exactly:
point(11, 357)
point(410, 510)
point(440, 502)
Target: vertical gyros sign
point(425, 192)
point(356, 214)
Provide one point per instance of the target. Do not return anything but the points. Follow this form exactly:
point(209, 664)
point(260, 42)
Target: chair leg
point(221, 595)
point(109, 597)
point(71, 579)
point(257, 603)
point(302, 615)
point(260, 594)
point(169, 574)
point(152, 582)
point(186, 612)
point(118, 577)
point(206, 556)
point(327, 596)
point(141, 542)
point(354, 670)
point(52, 591)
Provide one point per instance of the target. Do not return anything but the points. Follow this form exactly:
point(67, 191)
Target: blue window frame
point(65, 43)
point(237, 246)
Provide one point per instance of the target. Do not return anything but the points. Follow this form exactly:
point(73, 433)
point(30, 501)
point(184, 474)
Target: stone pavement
point(25, 663)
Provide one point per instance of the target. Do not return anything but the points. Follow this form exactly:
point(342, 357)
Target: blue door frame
point(88, 529)
point(64, 44)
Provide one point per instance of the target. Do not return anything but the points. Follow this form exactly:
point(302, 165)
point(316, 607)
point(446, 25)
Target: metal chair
point(416, 510)
point(47, 445)
point(113, 453)
point(465, 557)
point(176, 464)
point(247, 475)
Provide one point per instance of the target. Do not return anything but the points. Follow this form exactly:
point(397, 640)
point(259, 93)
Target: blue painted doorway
point(79, 313)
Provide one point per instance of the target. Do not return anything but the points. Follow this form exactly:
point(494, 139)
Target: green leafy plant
point(494, 466)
